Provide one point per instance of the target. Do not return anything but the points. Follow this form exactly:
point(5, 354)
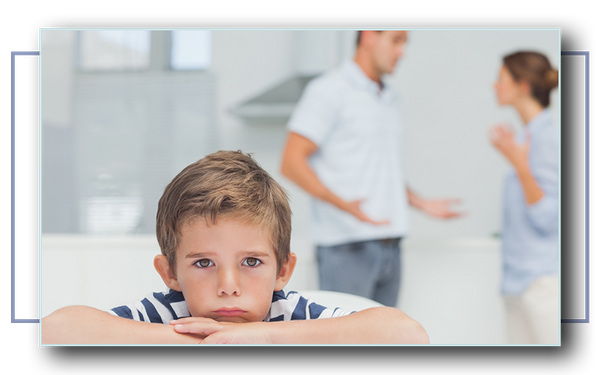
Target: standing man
point(344, 148)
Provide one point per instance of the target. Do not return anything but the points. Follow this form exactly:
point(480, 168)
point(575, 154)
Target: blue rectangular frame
point(586, 54)
point(13, 319)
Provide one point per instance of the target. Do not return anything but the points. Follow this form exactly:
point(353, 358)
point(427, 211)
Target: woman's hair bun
point(551, 78)
point(535, 69)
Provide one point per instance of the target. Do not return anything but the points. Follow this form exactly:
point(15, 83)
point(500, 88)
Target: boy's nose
point(228, 283)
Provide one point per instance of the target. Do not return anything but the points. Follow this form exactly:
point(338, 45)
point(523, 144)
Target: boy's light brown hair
point(226, 184)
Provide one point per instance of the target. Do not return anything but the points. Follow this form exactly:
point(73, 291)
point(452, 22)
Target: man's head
point(380, 49)
point(224, 225)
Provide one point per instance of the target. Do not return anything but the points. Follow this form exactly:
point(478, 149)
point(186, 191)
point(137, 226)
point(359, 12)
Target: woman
point(531, 205)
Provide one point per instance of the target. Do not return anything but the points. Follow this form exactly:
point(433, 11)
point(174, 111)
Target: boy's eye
point(252, 262)
point(204, 263)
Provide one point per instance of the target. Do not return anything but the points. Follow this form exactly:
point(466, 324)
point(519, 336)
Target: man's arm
point(86, 325)
point(295, 167)
point(378, 325)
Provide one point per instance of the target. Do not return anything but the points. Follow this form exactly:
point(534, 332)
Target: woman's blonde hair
point(224, 184)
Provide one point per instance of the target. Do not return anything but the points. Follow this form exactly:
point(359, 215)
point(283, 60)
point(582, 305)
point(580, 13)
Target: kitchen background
point(123, 111)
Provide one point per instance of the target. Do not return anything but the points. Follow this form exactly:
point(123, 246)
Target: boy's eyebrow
point(248, 253)
point(254, 253)
point(199, 255)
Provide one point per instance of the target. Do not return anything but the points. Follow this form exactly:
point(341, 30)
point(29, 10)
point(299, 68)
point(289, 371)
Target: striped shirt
point(162, 308)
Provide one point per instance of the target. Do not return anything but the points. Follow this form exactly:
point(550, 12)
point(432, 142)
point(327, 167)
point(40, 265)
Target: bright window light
point(114, 49)
point(190, 49)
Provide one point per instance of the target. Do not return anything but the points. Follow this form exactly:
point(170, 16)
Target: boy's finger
point(202, 328)
point(191, 320)
point(211, 340)
point(198, 330)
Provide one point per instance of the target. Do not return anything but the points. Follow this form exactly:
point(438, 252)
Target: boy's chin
point(232, 319)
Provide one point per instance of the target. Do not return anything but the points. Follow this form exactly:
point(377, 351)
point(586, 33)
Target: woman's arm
point(533, 192)
point(503, 139)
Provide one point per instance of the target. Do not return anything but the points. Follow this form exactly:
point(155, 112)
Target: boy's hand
point(224, 332)
point(377, 325)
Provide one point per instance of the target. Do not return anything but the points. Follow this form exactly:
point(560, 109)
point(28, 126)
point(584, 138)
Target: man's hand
point(224, 332)
point(353, 208)
point(295, 166)
point(434, 207)
point(441, 208)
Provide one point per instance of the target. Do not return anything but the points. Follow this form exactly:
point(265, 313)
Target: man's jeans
point(369, 269)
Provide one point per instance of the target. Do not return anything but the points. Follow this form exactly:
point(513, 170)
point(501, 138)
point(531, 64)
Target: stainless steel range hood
point(314, 52)
point(274, 105)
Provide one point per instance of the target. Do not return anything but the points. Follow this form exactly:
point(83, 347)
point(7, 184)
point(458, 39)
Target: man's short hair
point(359, 35)
point(225, 184)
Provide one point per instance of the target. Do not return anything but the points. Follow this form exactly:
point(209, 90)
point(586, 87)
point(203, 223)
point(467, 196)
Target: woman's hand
point(503, 139)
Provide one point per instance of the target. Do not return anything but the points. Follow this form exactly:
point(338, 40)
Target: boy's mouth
point(229, 311)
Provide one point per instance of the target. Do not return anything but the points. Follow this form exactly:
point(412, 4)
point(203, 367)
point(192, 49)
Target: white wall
point(57, 71)
point(446, 81)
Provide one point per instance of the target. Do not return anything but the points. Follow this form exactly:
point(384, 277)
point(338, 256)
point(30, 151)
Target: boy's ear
point(287, 269)
point(161, 264)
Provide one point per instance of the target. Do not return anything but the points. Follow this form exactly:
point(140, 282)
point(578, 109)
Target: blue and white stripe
point(285, 306)
point(155, 308)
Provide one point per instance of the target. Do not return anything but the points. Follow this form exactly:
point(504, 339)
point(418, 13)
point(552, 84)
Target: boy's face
point(226, 272)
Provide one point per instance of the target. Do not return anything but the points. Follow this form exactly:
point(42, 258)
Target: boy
point(223, 225)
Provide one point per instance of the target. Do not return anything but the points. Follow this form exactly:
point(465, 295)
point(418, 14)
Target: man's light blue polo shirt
point(530, 232)
point(357, 129)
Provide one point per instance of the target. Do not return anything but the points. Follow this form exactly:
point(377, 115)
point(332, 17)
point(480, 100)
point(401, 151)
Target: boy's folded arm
point(378, 325)
point(87, 325)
